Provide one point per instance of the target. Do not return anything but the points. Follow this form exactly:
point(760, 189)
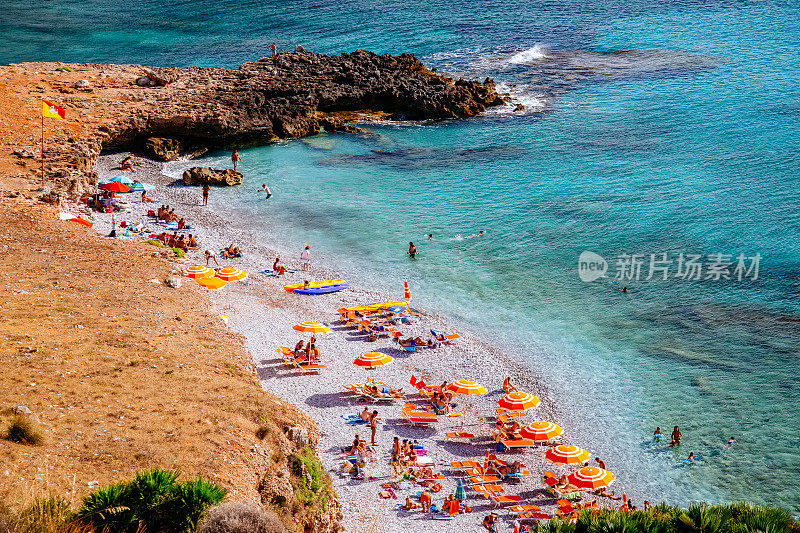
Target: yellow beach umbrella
point(198, 271)
point(466, 386)
point(211, 282)
point(540, 431)
point(372, 359)
point(591, 477)
point(518, 401)
point(230, 274)
point(567, 454)
point(312, 327)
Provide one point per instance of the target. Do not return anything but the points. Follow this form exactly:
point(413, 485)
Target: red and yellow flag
point(51, 110)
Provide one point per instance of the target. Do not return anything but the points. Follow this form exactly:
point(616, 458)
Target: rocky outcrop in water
point(258, 103)
point(212, 176)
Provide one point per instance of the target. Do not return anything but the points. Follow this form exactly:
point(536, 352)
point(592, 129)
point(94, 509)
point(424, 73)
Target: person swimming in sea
point(430, 236)
point(265, 189)
point(412, 250)
point(657, 436)
point(691, 457)
point(479, 234)
point(730, 443)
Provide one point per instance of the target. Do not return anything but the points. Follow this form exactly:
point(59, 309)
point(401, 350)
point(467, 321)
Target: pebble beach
point(264, 313)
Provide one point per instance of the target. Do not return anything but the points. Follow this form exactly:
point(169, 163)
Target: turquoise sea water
point(664, 126)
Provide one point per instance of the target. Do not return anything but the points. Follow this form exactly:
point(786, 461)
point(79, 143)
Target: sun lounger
point(460, 435)
point(438, 336)
point(524, 508)
point(487, 488)
point(518, 443)
point(534, 516)
point(480, 480)
point(464, 464)
point(499, 501)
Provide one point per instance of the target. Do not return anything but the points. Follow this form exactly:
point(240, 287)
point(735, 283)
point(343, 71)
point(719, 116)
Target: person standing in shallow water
point(236, 158)
point(206, 192)
point(412, 250)
point(676, 437)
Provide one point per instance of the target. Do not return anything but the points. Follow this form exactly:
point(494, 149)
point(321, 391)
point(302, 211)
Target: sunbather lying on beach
point(384, 392)
point(417, 341)
point(231, 251)
point(604, 492)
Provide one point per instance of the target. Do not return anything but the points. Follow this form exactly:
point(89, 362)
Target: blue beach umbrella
point(121, 179)
point(139, 187)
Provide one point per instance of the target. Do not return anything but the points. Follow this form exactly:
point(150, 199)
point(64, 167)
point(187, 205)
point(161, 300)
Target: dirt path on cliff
point(123, 373)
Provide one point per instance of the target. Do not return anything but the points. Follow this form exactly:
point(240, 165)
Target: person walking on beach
point(373, 425)
point(236, 158)
point(600, 463)
point(305, 257)
point(206, 191)
point(412, 250)
point(676, 437)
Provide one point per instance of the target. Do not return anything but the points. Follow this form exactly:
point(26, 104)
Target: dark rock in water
point(298, 94)
point(212, 176)
point(520, 107)
point(163, 148)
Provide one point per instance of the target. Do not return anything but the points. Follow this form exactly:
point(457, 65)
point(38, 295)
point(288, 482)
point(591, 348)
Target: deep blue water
point(664, 126)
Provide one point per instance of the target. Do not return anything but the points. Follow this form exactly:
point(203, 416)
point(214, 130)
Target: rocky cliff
point(258, 103)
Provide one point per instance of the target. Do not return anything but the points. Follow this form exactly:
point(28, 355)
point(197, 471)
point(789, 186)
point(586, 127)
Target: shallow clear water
point(684, 140)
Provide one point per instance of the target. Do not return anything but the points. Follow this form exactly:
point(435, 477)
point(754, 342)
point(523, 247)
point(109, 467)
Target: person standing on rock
point(206, 191)
point(236, 158)
point(274, 48)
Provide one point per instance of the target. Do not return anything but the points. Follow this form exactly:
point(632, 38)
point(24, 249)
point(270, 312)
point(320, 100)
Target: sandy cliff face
point(259, 103)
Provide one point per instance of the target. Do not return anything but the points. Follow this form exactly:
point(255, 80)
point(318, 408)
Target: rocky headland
point(167, 112)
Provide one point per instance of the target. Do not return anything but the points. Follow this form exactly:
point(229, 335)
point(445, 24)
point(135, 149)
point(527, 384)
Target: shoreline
point(259, 309)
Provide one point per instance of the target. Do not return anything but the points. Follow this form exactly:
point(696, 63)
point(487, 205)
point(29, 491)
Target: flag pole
point(42, 149)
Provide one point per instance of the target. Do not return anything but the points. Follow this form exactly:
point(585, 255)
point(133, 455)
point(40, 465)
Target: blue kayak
point(327, 289)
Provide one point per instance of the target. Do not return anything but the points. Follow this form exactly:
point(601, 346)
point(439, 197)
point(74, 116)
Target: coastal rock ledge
point(260, 102)
point(212, 176)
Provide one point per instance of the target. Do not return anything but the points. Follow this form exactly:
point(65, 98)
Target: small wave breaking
point(535, 53)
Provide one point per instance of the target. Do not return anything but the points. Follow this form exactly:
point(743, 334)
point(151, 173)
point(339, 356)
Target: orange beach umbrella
point(198, 271)
point(466, 386)
point(518, 401)
point(370, 360)
point(540, 431)
point(567, 454)
point(312, 327)
point(591, 477)
point(211, 282)
point(230, 274)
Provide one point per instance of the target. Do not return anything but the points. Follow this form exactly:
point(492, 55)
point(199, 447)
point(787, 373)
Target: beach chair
point(464, 464)
point(459, 435)
point(485, 489)
point(524, 508)
point(417, 417)
point(534, 516)
point(438, 336)
point(499, 501)
point(514, 444)
point(482, 480)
